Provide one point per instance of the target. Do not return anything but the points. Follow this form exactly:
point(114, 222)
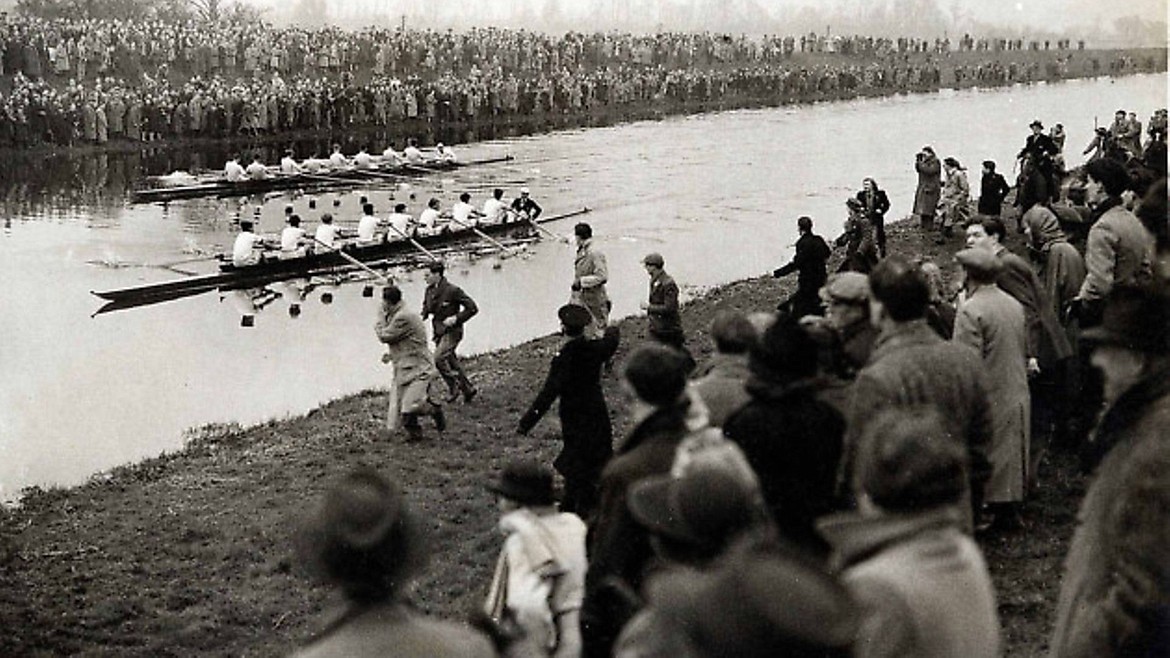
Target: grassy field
point(190, 553)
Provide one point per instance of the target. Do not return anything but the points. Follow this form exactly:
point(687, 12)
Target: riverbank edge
point(649, 110)
point(191, 551)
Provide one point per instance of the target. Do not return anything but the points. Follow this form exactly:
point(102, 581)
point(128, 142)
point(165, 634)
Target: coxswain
point(327, 233)
point(463, 213)
point(233, 171)
point(430, 218)
point(399, 223)
point(524, 205)
point(412, 153)
point(337, 159)
point(288, 164)
point(363, 160)
point(248, 246)
point(292, 238)
point(444, 154)
point(368, 225)
point(256, 170)
point(495, 211)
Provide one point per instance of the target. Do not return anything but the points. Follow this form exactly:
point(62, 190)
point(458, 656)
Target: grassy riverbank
point(190, 553)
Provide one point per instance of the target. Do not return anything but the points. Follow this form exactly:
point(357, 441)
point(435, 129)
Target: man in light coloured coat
point(405, 337)
point(992, 323)
point(590, 274)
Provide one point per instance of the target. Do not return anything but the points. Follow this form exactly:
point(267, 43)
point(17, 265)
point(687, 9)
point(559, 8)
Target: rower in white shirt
point(313, 165)
point(363, 160)
point(326, 233)
point(368, 225)
point(256, 170)
point(430, 221)
point(292, 239)
point(247, 248)
point(233, 171)
point(338, 160)
point(288, 164)
point(464, 214)
point(494, 209)
point(412, 153)
point(392, 158)
point(444, 154)
point(399, 223)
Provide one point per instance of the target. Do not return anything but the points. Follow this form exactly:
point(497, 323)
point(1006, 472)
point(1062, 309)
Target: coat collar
point(667, 420)
point(902, 336)
point(1126, 411)
point(855, 537)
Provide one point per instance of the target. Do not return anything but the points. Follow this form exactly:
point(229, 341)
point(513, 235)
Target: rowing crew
point(412, 155)
point(251, 249)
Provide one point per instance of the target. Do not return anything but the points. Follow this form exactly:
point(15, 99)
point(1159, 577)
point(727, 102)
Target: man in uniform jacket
point(811, 255)
point(575, 378)
point(449, 308)
point(993, 189)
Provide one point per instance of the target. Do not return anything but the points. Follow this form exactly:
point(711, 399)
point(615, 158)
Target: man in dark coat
point(1115, 596)
point(791, 438)
point(912, 366)
point(619, 550)
point(449, 308)
point(1042, 150)
point(993, 189)
point(575, 378)
point(926, 196)
point(811, 255)
point(662, 305)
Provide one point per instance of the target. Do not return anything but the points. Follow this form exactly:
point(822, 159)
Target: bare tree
point(208, 10)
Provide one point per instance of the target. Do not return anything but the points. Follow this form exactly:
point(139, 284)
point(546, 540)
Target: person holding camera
point(927, 164)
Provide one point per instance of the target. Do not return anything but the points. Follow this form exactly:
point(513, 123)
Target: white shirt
point(400, 221)
point(446, 155)
point(244, 249)
point(429, 219)
point(390, 156)
point(413, 155)
point(313, 165)
point(326, 234)
point(289, 166)
point(290, 238)
point(461, 214)
point(367, 228)
point(338, 160)
point(257, 170)
point(493, 211)
point(234, 171)
point(363, 160)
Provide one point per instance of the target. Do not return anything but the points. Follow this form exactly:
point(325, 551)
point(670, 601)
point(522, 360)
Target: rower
point(412, 153)
point(400, 223)
point(494, 209)
point(444, 154)
point(363, 160)
point(256, 170)
point(233, 171)
point(288, 164)
point(313, 165)
point(430, 219)
point(247, 248)
point(337, 160)
point(292, 239)
point(327, 233)
point(367, 231)
point(463, 213)
point(392, 158)
point(524, 205)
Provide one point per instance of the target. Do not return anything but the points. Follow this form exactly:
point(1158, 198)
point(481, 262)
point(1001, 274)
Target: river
point(716, 194)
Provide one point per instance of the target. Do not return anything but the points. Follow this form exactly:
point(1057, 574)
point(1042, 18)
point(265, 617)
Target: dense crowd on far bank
point(89, 82)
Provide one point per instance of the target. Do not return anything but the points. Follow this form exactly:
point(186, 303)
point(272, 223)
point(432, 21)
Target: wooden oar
point(414, 242)
point(552, 234)
point(485, 236)
point(367, 291)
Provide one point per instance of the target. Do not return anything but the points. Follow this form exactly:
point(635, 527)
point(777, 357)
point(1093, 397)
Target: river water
point(716, 194)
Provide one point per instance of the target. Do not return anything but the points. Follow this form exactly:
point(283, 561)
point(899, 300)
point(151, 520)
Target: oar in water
point(367, 291)
point(504, 251)
point(548, 232)
point(415, 243)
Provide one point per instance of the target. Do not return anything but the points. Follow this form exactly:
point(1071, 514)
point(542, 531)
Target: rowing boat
point(382, 254)
point(326, 178)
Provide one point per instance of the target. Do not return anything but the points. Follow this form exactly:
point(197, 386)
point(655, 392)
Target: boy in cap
point(575, 378)
point(539, 581)
point(845, 328)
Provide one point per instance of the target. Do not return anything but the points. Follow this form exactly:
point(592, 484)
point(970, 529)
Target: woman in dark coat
point(876, 204)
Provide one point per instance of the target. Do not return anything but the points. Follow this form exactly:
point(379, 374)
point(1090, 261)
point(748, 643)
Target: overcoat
point(405, 337)
point(929, 185)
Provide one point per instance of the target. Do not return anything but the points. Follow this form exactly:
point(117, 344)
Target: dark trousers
point(447, 362)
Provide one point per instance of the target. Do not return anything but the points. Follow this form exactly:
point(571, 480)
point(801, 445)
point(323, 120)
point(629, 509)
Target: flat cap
point(654, 259)
point(979, 260)
point(850, 287)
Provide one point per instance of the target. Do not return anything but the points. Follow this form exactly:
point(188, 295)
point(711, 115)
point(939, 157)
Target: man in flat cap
point(662, 306)
point(846, 299)
point(991, 322)
point(575, 378)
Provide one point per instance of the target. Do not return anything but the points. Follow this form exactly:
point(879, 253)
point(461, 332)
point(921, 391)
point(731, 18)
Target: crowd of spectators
point(91, 81)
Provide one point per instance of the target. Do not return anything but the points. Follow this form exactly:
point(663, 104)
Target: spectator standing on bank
point(539, 580)
point(875, 204)
point(365, 540)
point(574, 377)
point(846, 330)
point(405, 337)
point(809, 262)
point(993, 189)
point(861, 252)
point(920, 580)
point(590, 274)
point(926, 196)
point(448, 308)
point(1115, 594)
point(662, 306)
point(956, 199)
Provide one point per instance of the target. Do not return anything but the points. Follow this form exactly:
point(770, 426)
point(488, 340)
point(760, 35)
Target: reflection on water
point(716, 194)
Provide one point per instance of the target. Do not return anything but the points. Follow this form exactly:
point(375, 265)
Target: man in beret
point(575, 378)
point(991, 322)
point(1116, 588)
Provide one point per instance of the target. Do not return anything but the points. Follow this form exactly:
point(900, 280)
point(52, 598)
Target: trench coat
point(992, 323)
point(405, 337)
point(590, 274)
point(929, 185)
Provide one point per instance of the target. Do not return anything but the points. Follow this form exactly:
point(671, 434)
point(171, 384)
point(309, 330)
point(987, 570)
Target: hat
point(906, 462)
point(654, 259)
point(705, 507)
point(1136, 318)
point(854, 203)
point(524, 190)
point(1036, 124)
point(574, 316)
point(358, 512)
point(758, 604)
point(525, 482)
point(979, 260)
point(848, 287)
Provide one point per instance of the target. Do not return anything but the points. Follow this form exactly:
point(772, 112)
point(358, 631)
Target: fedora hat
point(1136, 318)
point(525, 482)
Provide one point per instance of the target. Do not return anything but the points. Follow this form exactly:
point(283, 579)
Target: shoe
point(440, 420)
point(469, 395)
point(452, 396)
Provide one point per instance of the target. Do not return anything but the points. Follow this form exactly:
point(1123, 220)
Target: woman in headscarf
point(1061, 267)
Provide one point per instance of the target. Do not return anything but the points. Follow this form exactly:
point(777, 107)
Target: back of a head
point(907, 462)
point(400, 208)
point(465, 197)
point(1152, 212)
point(785, 352)
point(732, 332)
point(804, 223)
point(901, 287)
point(1110, 174)
point(657, 373)
point(583, 231)
point(392, 294)
point(368, 208)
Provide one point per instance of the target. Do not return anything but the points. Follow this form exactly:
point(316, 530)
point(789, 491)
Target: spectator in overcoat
point(926, 196)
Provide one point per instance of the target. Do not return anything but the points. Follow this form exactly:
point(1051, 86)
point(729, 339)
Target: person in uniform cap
point(662, 306)
point(1115, 592)
point(859, 240)
point(525, 205)
point(574, 377)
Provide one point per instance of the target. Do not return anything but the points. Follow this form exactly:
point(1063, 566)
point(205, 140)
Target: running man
point(449, 309)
